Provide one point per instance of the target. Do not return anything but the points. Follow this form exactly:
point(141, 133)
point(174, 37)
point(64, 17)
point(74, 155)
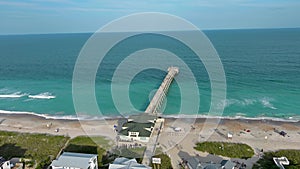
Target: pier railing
point(162, 91)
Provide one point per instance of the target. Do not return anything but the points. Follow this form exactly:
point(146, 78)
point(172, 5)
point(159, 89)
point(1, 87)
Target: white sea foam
point(45, 95)
point(13, 95)
point(46, 116)
point(244, 102)
point(266, 102)
point(289, 119)
point(249, 101)
point(4, 89)
point(90, 117)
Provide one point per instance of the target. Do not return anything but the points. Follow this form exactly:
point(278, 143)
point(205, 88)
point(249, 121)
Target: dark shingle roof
point(227, 164)
point(137, 127)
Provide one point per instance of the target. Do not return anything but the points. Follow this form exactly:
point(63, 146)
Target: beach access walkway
point(153, 108)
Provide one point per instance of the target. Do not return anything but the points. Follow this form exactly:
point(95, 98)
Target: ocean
point(262, 68)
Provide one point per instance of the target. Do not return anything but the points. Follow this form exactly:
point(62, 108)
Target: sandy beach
point(72, 128)
point(259, 134)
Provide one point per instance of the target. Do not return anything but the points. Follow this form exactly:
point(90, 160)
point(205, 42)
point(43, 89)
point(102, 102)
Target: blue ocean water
point(262, 70)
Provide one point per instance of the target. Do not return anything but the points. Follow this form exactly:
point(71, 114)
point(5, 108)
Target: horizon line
point(212, 29)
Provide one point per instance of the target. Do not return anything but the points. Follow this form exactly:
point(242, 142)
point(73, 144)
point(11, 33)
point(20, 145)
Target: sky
point(74, 16)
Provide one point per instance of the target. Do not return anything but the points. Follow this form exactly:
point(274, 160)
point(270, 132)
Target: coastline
point(175, 116)
point(250, 132)
point(31, 123)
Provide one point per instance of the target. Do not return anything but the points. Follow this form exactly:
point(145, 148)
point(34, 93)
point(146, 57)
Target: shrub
point(232, 150)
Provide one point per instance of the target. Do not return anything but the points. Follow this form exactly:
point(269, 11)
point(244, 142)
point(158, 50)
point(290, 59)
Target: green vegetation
point(267, 161)
point(165, 162)
point(42, 148)
point(90, 145)
point(232, 150)
point(91, 141)
point(136, 153)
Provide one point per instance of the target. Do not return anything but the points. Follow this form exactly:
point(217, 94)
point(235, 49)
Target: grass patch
point(136, 153)
point(90, 145)
point(158, 151)
point(42, 148)
point(96, 140)
point(232, 150)
point(267, 161)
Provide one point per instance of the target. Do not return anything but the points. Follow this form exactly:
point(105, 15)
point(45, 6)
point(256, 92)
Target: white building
point(4, 164)
point(69, 160)
point(122, 163)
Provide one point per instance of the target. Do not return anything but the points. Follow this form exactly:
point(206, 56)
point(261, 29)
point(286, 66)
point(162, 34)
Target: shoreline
point(28, 123)
point(105, 127)
point(198, 116)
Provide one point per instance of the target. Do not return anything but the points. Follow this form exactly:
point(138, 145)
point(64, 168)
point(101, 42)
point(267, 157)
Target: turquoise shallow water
point(262, 71)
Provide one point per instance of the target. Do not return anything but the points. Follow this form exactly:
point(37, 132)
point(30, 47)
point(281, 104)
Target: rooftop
point(137, 127)
point(208, 162)
point(74, 160)
point(137, 123)
point(125, 163)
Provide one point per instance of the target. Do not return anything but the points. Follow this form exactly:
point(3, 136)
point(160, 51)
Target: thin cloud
point(96, 9)
point(55, 1)
point(17, 4)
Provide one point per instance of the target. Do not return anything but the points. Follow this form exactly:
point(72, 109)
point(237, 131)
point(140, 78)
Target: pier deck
point(153, 108)
point(160, 94)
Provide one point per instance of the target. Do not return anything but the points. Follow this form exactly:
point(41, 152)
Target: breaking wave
point(13, 95)
point(237, 117)
point(265, 102)
point(45, 95)
point(47, 116)
point(200, 116)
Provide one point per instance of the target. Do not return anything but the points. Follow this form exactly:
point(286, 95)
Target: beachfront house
point(121, 163)
point(69, 160)
point(12, 163)
point(225, 164)
point(208, 162)
point(4, 164)
point(137, 127)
